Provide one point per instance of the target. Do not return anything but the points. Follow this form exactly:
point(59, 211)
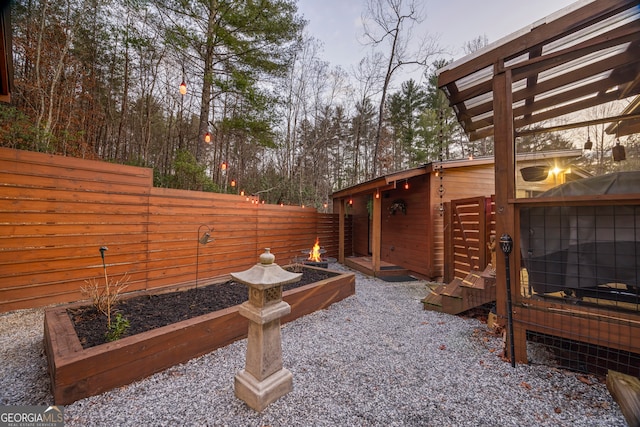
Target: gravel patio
point(376, 358)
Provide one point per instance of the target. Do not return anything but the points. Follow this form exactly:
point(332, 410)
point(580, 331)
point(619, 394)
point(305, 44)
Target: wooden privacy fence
point(56, 212)
point(468, 228)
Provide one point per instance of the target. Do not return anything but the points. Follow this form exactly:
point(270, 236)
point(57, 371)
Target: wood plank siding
point(414, 240)
point(56, 212)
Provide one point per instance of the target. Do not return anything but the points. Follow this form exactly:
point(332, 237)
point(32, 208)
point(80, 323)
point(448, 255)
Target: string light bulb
point(183, 88)
point(406, 184)
point(207, 137)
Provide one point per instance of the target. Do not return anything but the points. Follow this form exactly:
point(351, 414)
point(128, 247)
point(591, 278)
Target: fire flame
point(314, 254)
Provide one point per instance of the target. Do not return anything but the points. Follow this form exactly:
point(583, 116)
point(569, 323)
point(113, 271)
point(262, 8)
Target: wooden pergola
point(585, 55)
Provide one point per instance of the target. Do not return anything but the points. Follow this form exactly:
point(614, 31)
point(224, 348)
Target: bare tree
point(369, 76)
point(476, 44)
point(389, 24)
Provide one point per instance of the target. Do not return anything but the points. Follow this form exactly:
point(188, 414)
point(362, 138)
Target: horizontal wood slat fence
point(56, 212)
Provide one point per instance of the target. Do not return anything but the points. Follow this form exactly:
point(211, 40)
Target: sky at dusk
point(337, 23)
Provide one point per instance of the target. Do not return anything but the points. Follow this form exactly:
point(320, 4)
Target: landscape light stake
point(106, 282)
point(104, 267)
point(102, 249)
point(506, 244)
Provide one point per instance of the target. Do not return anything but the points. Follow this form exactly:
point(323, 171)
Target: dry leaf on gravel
point(585, 380)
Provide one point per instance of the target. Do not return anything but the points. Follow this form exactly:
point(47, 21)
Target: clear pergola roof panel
point(586, 55)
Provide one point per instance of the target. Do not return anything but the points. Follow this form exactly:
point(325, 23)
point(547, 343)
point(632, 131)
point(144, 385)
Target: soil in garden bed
point(153, 311)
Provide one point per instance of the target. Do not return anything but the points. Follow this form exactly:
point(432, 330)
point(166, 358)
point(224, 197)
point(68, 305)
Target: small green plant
point(117, 328)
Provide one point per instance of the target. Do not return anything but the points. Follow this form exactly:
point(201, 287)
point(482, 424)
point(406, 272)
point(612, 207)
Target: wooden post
point(341, 231)
point(504, 149)
point(448, 256)
point(376, 235)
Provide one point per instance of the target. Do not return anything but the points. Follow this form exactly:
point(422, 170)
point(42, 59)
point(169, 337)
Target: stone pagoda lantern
point(264, 380)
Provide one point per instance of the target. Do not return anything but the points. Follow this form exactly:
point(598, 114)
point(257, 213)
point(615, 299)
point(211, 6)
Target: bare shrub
point(105, 297)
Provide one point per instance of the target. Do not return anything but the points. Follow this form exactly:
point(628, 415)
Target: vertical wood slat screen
point(56, 212)
point(471, 222)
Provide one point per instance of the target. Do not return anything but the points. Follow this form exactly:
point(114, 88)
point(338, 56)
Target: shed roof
point(584, 55)
point(390, 181)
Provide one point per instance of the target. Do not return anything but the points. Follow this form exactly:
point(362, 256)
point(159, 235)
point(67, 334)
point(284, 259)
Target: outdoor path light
point(264, 380)
point(506, 244)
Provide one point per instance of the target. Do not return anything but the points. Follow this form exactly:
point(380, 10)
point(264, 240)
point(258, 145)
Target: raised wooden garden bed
point(77, 373)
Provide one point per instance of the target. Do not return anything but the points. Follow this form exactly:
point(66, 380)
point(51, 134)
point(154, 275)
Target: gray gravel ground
point(373, 359)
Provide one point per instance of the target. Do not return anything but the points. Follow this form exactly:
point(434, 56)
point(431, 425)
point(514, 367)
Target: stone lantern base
point(263, 380)
point(259, 394)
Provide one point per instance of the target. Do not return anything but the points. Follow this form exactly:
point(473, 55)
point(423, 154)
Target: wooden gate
point(468, 228)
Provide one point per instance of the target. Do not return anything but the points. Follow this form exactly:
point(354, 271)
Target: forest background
point(230, 95)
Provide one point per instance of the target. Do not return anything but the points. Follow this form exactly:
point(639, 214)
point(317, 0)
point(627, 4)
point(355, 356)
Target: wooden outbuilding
point(399, 219)
point(542, 79)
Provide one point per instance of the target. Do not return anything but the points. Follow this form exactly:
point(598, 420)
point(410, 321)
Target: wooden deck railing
point(56, 212)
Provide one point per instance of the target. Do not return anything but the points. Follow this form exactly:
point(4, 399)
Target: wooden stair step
point(392, 270)
point(461, 295)
point(475, 297)
point(453, 289)
point(433, 301)
point(452, 301)
point(478, 280)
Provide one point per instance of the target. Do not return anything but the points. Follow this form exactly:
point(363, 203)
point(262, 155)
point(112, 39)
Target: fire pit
point(315, 258)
